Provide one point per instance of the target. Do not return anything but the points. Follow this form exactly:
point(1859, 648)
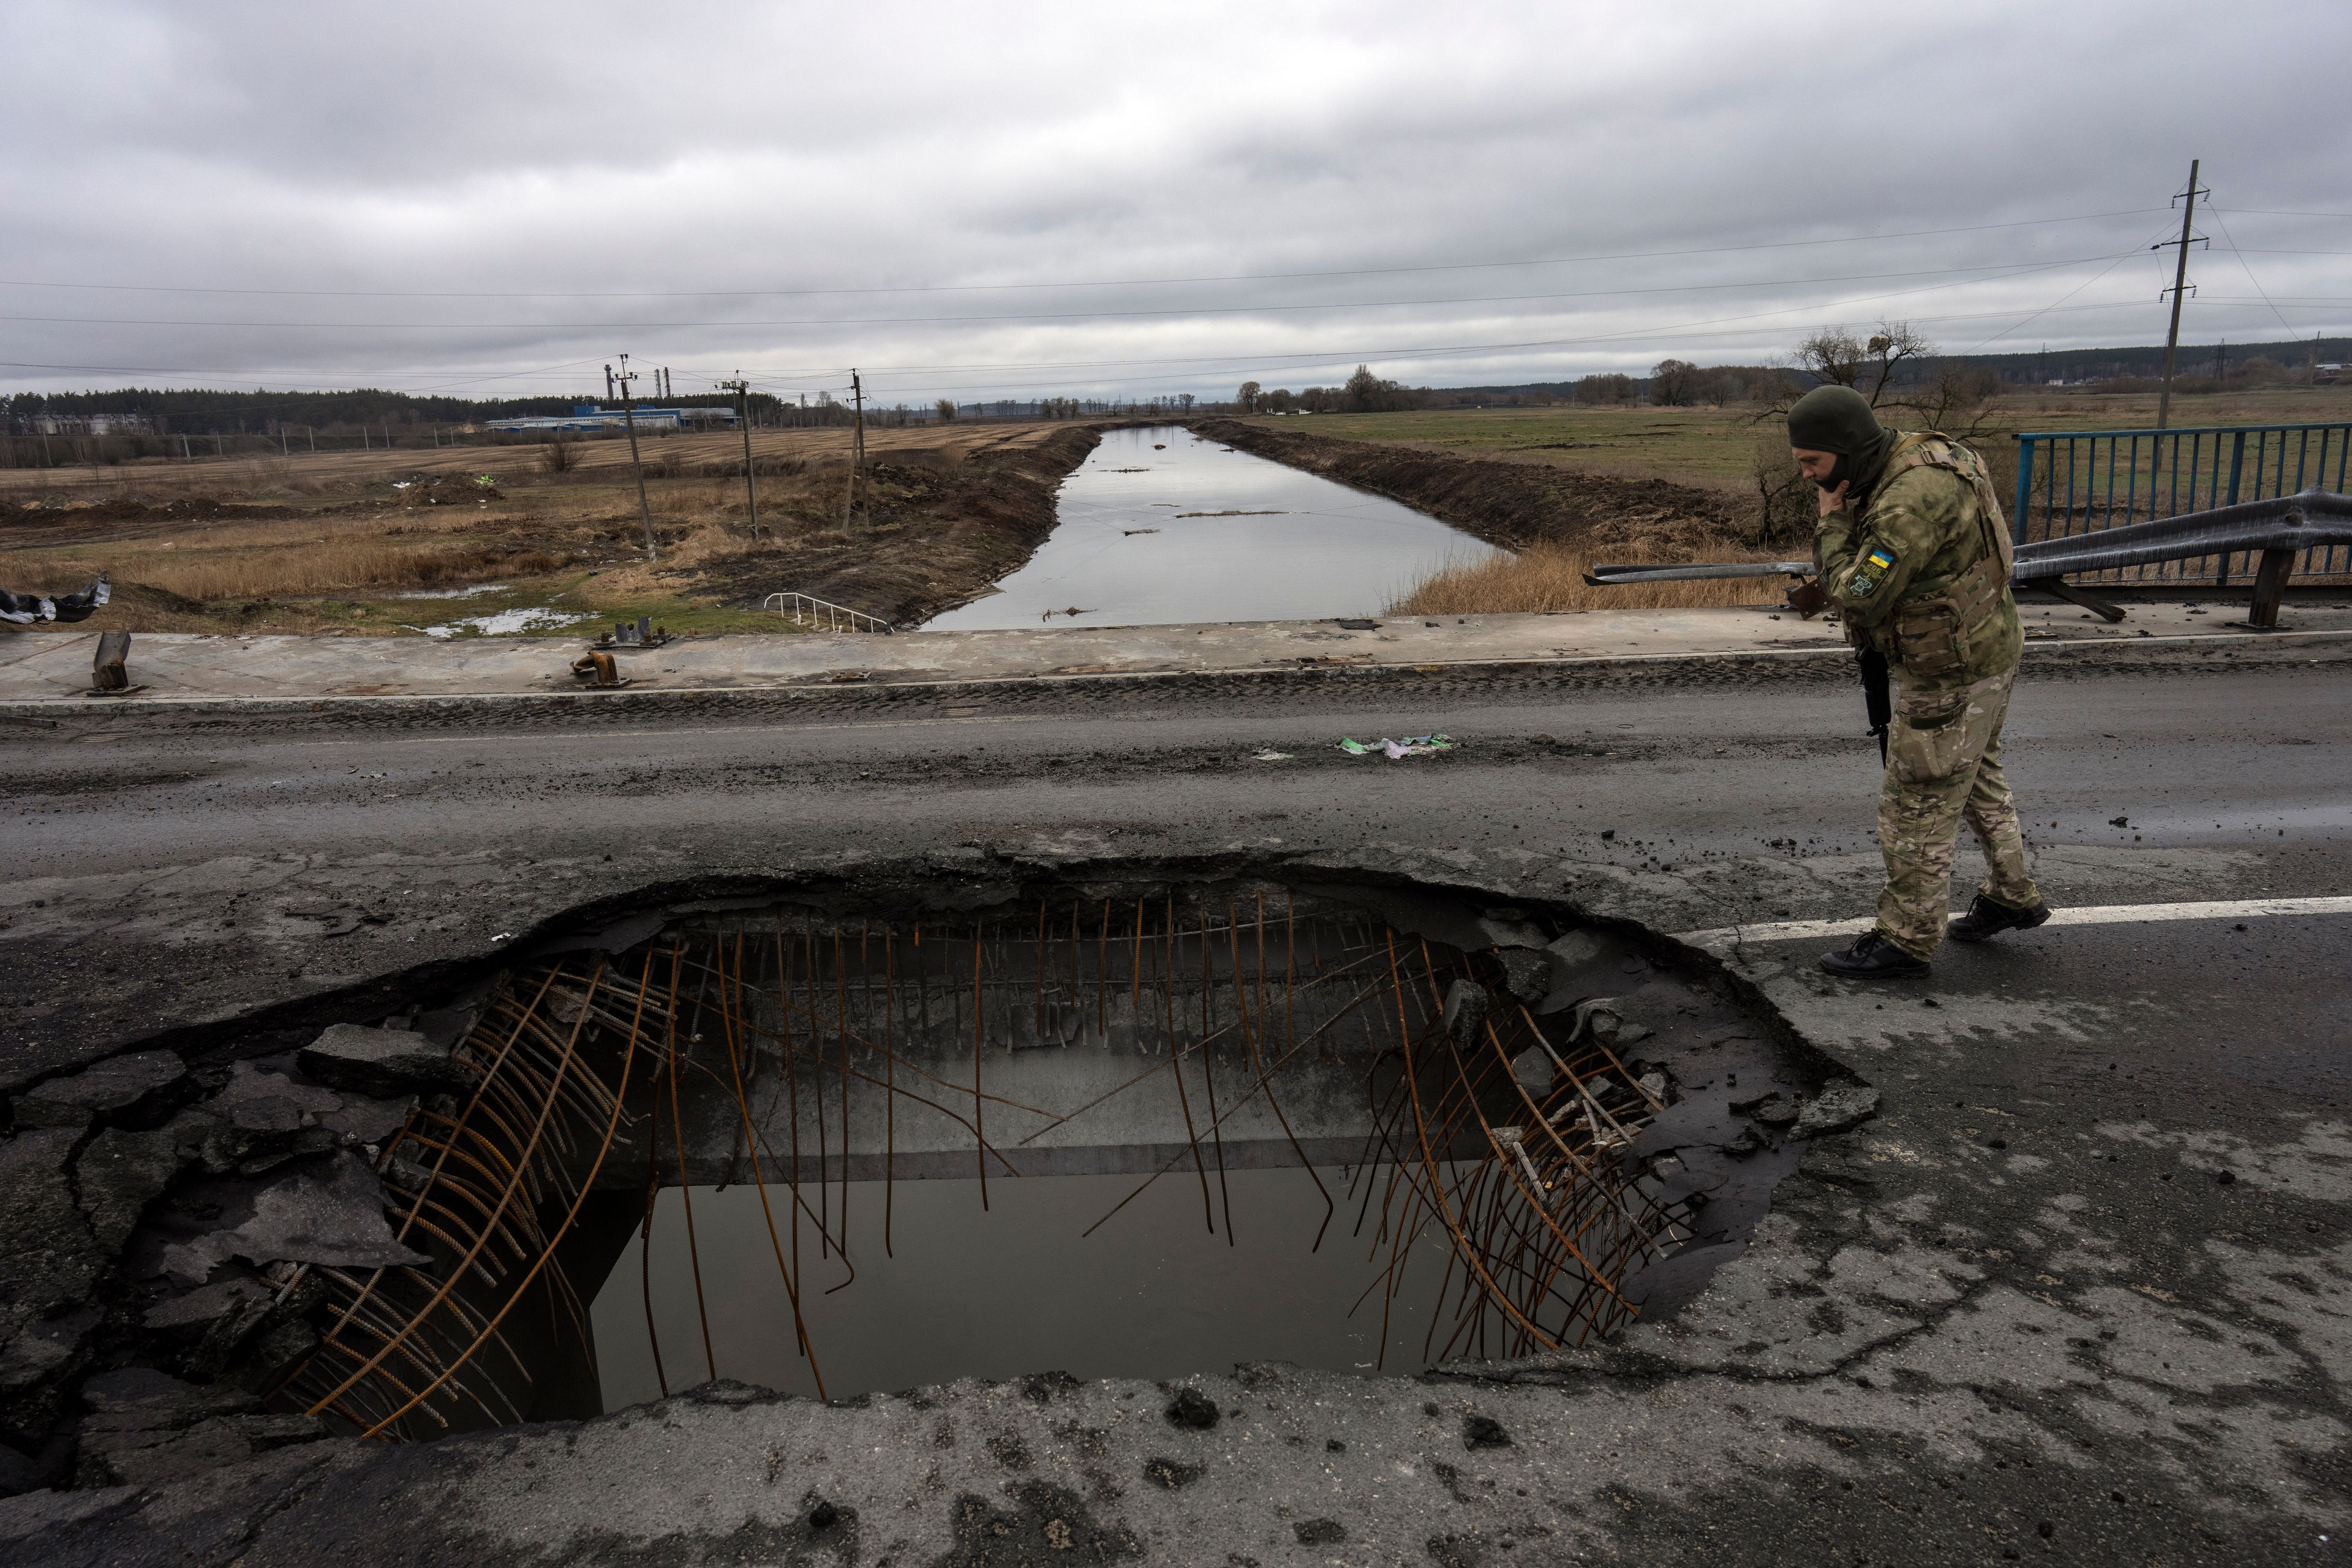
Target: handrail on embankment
point(807, 610)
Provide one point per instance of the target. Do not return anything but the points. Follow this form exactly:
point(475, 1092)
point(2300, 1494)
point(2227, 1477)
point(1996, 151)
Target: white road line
point(2097, 915)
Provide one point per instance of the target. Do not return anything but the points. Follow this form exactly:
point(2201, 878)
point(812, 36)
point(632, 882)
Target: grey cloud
point(699, 150)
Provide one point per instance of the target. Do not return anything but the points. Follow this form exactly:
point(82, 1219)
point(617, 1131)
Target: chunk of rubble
point(329, 1212)
point(1838, 1107)
point(384, 1063)
point(1466, 1002)
point(123, 1087)
point(146, 1427)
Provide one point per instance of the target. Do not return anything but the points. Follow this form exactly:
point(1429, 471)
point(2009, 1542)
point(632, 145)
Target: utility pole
point(742, 391)
point(856, 446)
point(629, 418)
point(2179, 286)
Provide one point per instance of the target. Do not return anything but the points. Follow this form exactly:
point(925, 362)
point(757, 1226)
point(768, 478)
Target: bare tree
point(1675, 383)
point(1836, 356)
point(946, 410)
point(1246, 398)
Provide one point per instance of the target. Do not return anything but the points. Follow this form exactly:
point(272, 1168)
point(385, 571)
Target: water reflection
point(1140, 542)
point(1018, 1288)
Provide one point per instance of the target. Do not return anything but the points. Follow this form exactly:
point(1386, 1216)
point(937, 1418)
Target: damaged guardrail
point(2279, 529)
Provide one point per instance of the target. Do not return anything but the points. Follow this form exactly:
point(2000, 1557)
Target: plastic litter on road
point(1416, 746)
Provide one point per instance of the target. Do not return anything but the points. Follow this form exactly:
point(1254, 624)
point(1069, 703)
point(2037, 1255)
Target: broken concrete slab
point(121, 1088)
point(147, 1427)
point(1838, 1107)
point(51, 1267)
point(119, 1174)
point(363, 1119)
point(379, 1062)
point(329, 1212)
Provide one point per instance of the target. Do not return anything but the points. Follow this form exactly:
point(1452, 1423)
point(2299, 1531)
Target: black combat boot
point(1872, 957)
point(1990, 917)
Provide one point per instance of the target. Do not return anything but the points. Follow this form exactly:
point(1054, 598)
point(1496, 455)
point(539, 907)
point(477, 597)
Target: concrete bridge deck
point(52, 666)
point(2082, 1288)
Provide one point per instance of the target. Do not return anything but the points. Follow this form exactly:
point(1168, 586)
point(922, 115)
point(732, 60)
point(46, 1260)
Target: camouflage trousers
point(1943, 766)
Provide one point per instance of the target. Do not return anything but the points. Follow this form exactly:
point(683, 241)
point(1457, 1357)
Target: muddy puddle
point(1021, 1287)
point(1161, 526)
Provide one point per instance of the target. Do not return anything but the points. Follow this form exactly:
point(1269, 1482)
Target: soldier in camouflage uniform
point(1916, 557)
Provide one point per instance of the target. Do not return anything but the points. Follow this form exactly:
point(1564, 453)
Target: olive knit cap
point(1839, 419)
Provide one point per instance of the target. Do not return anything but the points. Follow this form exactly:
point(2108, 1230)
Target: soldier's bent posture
point(1916, 557)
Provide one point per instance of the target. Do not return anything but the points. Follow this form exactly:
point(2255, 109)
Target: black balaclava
point(1839, 419)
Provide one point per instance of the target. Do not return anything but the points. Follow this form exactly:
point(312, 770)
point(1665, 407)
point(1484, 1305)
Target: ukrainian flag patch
point(1879, 560)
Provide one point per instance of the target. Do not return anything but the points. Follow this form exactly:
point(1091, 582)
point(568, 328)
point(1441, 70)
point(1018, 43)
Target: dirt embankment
point(1514, 505)
point(939, 529)
point(198, 548)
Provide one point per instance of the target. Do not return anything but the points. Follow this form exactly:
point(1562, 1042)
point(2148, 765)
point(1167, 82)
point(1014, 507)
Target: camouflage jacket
point(1921, 571)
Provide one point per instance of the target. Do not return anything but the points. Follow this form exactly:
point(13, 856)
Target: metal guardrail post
point(2024, 487)
point(2237, 466)
point(2270, 589)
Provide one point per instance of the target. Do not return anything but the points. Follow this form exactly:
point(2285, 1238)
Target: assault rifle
point(1805, 596)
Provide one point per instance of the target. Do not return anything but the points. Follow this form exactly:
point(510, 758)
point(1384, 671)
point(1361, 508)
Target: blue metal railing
point(2081, 481)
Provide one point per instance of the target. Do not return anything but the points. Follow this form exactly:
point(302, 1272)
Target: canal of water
point(1159, 525)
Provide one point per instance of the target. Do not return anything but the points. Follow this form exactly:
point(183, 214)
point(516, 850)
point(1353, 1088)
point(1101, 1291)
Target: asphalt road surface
point(2082, 1288)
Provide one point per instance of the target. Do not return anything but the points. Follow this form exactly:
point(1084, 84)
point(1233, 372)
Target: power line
point(2231, 240)
point(1046, 315)
point(1075, 283)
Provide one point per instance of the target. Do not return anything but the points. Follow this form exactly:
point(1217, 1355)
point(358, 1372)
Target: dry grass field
point(1716, 445)
point(1717, 449)
point(395, 543)
point(1545, 579)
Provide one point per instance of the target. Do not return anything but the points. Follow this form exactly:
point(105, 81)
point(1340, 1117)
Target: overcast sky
point(983, 200)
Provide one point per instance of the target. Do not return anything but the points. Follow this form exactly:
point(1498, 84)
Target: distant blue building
point(594, 418)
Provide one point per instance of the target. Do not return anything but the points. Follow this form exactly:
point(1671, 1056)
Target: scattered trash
point(1273, 756)
point(2119, 822)
point(1416, 746)
point(505, 623)
point(24, 609)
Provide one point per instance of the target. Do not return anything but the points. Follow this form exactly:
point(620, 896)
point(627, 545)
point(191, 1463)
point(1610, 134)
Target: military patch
point(1863, 585)
point(1878, 560)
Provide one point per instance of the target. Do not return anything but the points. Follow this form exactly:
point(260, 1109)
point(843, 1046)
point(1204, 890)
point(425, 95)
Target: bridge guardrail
point(2076, 483)
point(2271, 532)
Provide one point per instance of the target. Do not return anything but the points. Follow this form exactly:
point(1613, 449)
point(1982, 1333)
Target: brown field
point(327, 542)
point(333, 543)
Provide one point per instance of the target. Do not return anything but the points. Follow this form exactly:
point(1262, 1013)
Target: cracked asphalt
point(2080, 1290)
